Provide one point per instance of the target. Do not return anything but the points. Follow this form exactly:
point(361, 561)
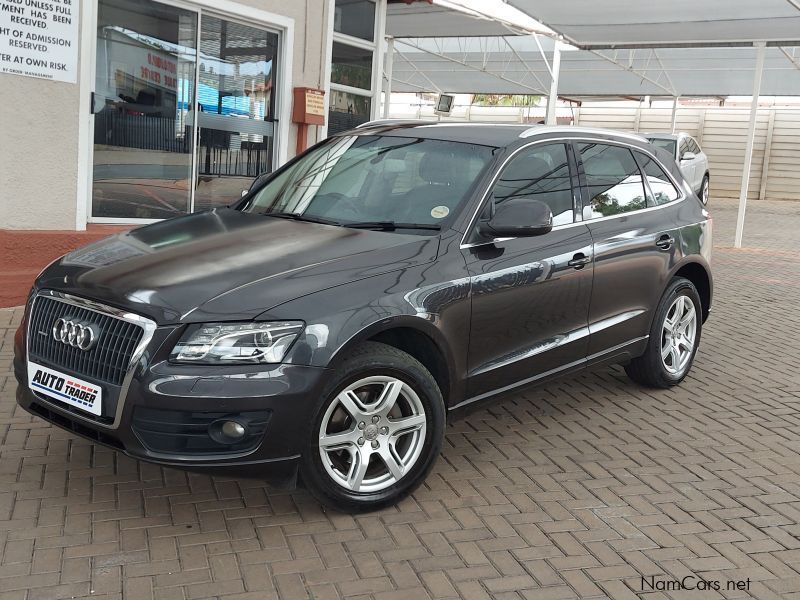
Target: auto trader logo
point(63, 386)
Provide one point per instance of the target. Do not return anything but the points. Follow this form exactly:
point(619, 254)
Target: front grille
point(186, 432)
point(107, 361)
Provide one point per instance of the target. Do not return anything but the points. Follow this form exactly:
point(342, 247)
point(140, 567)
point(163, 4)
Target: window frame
point(376, 47)
point(471, 238)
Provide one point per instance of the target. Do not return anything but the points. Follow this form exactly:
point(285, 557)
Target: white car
point(691, 159)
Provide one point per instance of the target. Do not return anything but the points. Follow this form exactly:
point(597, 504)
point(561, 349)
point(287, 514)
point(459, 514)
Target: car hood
point(223, 264)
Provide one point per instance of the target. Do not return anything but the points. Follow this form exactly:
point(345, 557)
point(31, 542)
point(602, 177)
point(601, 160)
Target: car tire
point(674, 338)
point(704, 186)
point(376, 432)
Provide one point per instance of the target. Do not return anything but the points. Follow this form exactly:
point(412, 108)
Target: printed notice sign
point(39, 38)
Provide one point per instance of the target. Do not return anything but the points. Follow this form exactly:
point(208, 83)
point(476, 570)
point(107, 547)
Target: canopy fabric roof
point(514, 65)
point(619, 23)
point(431, 20)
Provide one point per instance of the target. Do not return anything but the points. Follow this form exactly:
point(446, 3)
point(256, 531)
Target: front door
point(184, 109)
point(529, 304)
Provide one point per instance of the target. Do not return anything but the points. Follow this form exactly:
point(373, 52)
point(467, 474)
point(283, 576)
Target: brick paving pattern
point(577, 489)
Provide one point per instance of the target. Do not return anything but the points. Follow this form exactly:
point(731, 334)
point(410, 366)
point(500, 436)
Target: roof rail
point(574, 128)
point(382, 122)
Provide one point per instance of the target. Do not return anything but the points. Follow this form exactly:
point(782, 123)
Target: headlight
point(237, 343)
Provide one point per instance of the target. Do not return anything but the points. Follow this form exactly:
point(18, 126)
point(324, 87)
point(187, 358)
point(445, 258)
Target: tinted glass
point(541, 173)
point(374, 178)
point(356, 18)
point(351, 66)
point(613, 179)
point(665, 143)
point(660, 184)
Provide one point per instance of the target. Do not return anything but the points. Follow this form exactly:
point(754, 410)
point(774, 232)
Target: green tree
point(505, 100)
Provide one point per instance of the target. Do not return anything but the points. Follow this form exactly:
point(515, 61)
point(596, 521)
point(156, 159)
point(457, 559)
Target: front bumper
point(162, 413)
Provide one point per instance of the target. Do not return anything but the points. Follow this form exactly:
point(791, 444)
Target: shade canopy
point(618, 23)
point(681, 47)
point(515, 65)
point(423, 19)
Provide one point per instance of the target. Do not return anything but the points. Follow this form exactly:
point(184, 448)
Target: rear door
point(530, 295)
point(634, 234)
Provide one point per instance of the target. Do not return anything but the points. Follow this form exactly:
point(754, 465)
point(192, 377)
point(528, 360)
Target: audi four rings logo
point(75, 333)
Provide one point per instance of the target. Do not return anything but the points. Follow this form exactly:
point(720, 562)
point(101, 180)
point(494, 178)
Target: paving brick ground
point(578, 489)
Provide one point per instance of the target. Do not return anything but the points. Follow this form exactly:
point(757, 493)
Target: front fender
point(420, 299)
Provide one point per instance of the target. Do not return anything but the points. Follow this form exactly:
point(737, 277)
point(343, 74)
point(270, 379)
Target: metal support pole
point(674, 112)
point(550, 118)
point(389, 62)
point(748, 151)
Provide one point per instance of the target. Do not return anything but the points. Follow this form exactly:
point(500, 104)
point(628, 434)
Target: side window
point(540, 173)
point(683, 148)
point(661, 186)
point(693, 147)
point(613, 180)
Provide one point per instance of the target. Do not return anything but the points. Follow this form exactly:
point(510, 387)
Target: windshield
point(665, 143)
point(382, 181)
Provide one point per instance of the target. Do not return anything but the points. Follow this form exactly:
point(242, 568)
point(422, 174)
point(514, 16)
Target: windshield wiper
point(299, 217)
point(391, 225)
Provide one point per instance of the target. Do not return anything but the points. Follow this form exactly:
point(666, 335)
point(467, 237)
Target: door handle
point(579, 261)
point(665, 241)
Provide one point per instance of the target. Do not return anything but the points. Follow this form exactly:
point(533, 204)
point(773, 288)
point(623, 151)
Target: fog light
point(227, 431)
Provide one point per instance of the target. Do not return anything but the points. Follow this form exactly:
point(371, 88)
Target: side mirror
point(688, 156)
point(520, 217)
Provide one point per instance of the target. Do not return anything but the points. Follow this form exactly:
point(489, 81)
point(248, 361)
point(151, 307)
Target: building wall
point(39, 123)
point(38, 153)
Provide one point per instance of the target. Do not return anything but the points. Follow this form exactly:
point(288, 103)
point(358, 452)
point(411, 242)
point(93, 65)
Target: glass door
point(236, 100)
point(144, 93)
point(177, 130)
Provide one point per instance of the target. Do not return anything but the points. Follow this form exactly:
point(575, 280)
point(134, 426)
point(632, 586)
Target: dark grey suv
point(387, 280)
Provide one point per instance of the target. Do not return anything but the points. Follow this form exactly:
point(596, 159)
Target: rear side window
point(613, 180)
point(661, 186)
point(540, 173)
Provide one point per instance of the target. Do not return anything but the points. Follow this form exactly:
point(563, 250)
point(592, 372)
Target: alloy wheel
point(372, 434)
point(704, 192)
point(678, 335)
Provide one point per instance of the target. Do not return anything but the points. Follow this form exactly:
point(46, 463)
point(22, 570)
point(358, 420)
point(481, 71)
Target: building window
point(355, 18)
point(353, 80)
point(351, 66)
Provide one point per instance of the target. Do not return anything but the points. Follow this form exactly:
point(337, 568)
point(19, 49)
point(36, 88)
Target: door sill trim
point(578, 364)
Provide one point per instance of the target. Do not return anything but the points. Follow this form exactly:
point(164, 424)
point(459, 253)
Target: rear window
point(613, 179)
point(665, 143)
